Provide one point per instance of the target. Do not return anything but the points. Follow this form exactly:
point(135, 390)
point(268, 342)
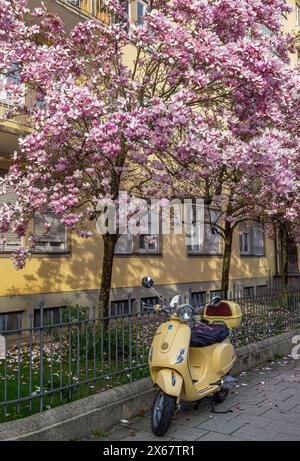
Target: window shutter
point(124, 244)
point(258, 240)
point(212, 239)
point(194, 246)
point(12, 241)
point(211, 242)
point(245, 231)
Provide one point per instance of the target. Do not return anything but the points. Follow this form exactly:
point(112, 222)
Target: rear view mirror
point(147, 282)
point(175, 301)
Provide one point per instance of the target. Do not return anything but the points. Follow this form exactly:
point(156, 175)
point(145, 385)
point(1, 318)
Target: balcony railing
point(93, 8)
point(20, 119)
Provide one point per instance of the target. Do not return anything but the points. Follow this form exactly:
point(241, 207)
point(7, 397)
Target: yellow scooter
point(190, 354)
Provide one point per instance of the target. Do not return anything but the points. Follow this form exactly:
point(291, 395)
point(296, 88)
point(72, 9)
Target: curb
point(79, 419)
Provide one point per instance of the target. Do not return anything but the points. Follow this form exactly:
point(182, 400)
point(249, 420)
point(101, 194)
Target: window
point(138, 244)
point(98, 7)
point(75, 2)
point(211, 240)
point(149, 302)
point(248, 292)
point(267, 31)
point(12, 77)
point(55, 239)
point(10, 321)
point(141, 10)
point(8, 241)
point(214, 293)
point(198, 298)
point(51, 315)
point(245, 243)
point(261, 290)
point(124, 245)
point(103, 11)
point(297, 15)
point(252, 242)
point(146, 244)
point(120, 307)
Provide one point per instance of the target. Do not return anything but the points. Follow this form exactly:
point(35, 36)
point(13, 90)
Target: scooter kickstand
point(197, 405)
point(213, 407)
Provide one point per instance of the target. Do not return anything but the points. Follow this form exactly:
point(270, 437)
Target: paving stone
point(287, 438)
point(194, 420)
point(147, 436)
point(119, 434)
point(257, 421)
point(217, 437)
point(291, 386)
point(277, 396)
point(185, 433)
point(221, 426)
point(246, 408)
point(253, 398)
point(286, 405)
point(296, 409)
point(281, 415)
point(284, 427)
point(251, 432)
point(142, 424)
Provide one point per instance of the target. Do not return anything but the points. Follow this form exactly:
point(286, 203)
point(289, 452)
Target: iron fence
point(73, 352)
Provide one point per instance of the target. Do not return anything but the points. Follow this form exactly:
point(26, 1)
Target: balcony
point(22, 120)
point(73, 11)
point(90, 8)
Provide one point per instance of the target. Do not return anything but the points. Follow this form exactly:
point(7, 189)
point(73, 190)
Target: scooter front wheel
point(162, 413)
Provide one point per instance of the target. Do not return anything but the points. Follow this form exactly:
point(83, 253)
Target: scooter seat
point(206, 335)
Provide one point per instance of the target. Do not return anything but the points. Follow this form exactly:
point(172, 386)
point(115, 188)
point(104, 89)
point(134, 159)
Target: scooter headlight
point(185, 312)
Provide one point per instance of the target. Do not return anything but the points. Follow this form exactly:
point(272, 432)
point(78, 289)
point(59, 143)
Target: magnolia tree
point(254, 180)
point(103, 124)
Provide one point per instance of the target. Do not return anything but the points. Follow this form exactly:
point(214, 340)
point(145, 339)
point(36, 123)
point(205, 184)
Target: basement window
point(198, 298)
point(248, 292)
point(10, 321)
point(121, 307)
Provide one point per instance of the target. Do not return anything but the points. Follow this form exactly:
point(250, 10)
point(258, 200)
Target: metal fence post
point(130, 336)
point(42, 306)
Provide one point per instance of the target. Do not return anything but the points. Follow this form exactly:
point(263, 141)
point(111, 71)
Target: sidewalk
point(265, 405)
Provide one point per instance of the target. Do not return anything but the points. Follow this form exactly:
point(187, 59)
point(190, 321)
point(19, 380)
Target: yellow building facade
point(66, 269)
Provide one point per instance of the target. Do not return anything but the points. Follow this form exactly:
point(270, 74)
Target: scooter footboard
point(169, 381)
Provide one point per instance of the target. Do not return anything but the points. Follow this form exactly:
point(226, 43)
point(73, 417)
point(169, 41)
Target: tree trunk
point(284, 254)
point(228, 231)
point(109, 244)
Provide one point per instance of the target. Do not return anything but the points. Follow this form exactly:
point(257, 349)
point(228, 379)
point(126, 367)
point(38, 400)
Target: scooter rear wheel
point(162, 413)
point(220, 396)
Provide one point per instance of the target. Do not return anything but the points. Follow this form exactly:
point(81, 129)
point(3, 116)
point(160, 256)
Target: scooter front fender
point(169, 381)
